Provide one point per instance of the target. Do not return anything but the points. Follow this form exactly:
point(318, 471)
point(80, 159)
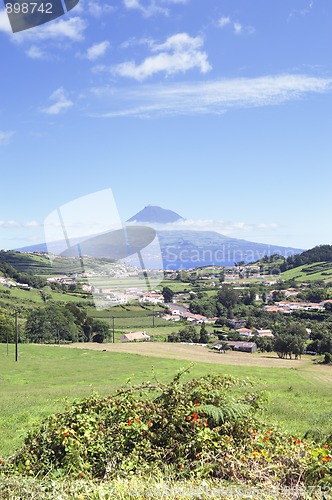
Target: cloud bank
point(207, 97)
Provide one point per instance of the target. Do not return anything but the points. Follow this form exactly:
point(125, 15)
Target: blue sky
point(219, 110)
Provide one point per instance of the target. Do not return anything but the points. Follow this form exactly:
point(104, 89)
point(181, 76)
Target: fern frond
point(229, 411)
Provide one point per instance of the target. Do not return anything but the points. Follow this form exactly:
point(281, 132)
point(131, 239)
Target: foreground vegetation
point(46, 376)
point(208, 427)
point(36, 386)
point(137, 488)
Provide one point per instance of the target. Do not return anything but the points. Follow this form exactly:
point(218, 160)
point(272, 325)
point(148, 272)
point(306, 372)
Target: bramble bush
point(210, 427)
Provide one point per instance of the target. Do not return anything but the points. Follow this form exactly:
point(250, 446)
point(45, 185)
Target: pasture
point(300, 395)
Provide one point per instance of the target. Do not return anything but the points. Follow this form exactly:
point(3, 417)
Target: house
point(117, 298)
point(242, 346)
point(265, 333)
point(134, 337)
point(152, 298)
point(238, 346)
point(193, 318)
point(276, 309)
point(245, 332)
point(174, 310)
point(168, 317)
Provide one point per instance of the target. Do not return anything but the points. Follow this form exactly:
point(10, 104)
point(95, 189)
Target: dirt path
point(197, 353)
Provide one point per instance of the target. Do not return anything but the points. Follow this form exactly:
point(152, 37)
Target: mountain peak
point(153, 213)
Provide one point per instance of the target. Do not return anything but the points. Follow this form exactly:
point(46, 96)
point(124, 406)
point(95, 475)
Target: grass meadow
point(310, 272)
point(45, 377)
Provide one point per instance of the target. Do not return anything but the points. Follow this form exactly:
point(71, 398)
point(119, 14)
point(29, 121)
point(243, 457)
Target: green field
point(136, 317)
point(45, 376)
point(32, 297)
point(310, 272)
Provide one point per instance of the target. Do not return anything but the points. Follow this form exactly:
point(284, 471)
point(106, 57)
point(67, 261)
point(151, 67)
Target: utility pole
point(113, 328)
point(16, 336)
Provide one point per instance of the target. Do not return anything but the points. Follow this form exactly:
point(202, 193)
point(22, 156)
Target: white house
point(134, 336)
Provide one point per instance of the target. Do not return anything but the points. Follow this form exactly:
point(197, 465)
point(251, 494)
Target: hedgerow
point(210, 427)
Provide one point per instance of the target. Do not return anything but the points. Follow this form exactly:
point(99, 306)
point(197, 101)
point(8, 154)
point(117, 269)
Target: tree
point(222, 276)
point(46, 293)
point(203, 335)
point(282, 345)
point(297, 346)
point(87, 329)
point(264, 344)
point(314, 294)
point(186, 334)
point(297, 330)
point(51, 324)
point(249, 297)
point(100, 331)
point(278, 295)
point(204, 305)
point(228, 297)
point(6, 329)
point(79, 313)
point(286, 345)
point(168, 294)
point(325, 344)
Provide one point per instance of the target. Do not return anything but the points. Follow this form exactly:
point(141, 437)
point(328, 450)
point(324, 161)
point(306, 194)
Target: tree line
point(55, 323)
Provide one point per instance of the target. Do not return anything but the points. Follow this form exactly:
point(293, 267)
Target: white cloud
point(224, 21)
point(152, 7)
point(9, 223)
point(302, 12)
point(179, 42)
point(35, 52)
point(13, 223)
point(228, 228)
point(133, 41)
point(238, 28)
point(4, 22)
point(97, 50)
point(64, 29)
point(150, 10)
point(178, 54)
point(61, 102)
point(5, 136)
point(32, 223)
point(69, 30)
point(98, 9)
point(214, 97)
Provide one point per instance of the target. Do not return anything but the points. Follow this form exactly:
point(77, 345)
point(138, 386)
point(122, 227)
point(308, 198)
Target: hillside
point(37, 264)
point(310, 272)
point(320, 253)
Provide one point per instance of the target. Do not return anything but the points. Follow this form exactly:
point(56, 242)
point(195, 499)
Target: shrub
point(204, 428)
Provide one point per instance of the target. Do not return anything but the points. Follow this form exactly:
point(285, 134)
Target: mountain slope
point(180, 249)
point(187, 249)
